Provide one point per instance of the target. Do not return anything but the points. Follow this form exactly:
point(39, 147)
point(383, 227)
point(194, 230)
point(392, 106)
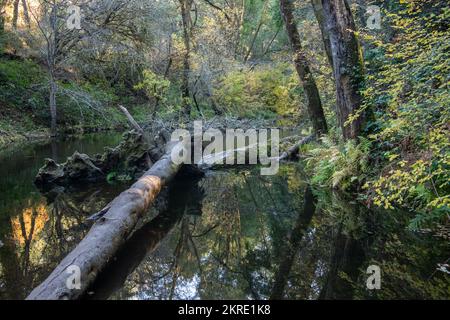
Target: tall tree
point(318, 12)
point(25, 12)
point(186, 7)
point(59, 42)
point(314, 104)
point(2, 15)
point(15, 13)
point(348, 66)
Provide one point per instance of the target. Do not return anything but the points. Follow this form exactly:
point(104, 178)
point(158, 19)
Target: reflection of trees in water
point(37, 236)
point(225, 253)
point(234, 235)
point(293, 245)
point(258, 238)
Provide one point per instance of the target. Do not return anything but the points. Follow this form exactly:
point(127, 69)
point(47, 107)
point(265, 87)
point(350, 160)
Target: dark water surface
point(232, 235)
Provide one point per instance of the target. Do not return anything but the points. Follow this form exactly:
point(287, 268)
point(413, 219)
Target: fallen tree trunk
point(292, 153)
point(107, 234)
point(183, 195)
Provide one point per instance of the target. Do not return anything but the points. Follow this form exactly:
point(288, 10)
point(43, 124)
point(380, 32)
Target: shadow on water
point(232, 235)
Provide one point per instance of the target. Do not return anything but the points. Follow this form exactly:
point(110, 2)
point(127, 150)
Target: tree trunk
point(2, 15)
point(314, 103)
point(348, 66)
point(186, 19)
point(318, 12)
point(148, 238)
point(53, 90)
point(25, 13)
point(108, 234)
point(15, 14)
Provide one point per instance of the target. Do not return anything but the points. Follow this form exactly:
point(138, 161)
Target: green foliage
point(24, 94)
point(410, 95)
point(263, 91)
point(155, 86)
point(339, 167)
point(21, 84)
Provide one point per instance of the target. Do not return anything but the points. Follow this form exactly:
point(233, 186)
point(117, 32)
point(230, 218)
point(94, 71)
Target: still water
point(232, 235)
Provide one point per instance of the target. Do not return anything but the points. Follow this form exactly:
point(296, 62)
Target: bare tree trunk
point(2, 19)
point(25, 13)
point(348, 66)
point(185, 17)
point(314, 104)
point(252, 45)
point(53, 90)
point(15, 14)
point(51, 62)
point(131, 120)
point(108, 234)
point(148, 238)
point(318, 11)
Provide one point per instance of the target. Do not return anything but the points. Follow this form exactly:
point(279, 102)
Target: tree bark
point(15, 13)
point(292, 152)
point(186, 19)
point(347, 64)
point(53, 90)
point(25, 13)
point(131, 120)
point(2, 15)
point(314, 104)
point(108, 234)
point(148, 238)
point(318, 12)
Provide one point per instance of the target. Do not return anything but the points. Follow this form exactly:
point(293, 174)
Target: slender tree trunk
point(51, 62)
point(257, 31)
point(25, 13)
point(252, 44)
point(185, 17)
point(314, 103)
point(348, 66)
point(15, 14)
point(318, 11)
point(53, 91)
point(237, 25)
point(2, 20)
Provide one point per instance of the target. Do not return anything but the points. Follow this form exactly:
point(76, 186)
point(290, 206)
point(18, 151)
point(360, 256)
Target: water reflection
point(231, 235)
point(261, 238)
point(38, 230)
point(148, 238)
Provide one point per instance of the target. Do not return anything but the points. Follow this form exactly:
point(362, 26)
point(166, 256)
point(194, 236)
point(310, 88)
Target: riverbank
point(16, 132)
point(82, 107)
